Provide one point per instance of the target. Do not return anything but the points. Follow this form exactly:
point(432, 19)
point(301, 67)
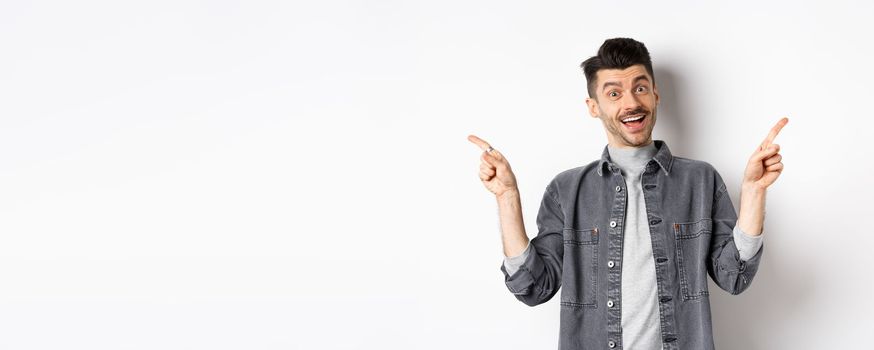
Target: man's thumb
point(767, 152)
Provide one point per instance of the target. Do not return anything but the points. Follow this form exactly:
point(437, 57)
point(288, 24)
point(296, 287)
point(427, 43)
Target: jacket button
point(611, 344)
point(609, 303)
point(612, 223)
point(618, 188)
point(610, 263)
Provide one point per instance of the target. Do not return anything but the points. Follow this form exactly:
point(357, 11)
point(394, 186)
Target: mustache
point(634, 112)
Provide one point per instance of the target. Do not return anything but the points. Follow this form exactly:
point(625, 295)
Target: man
point(631, 238)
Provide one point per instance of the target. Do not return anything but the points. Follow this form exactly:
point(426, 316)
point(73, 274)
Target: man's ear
point(655, 91)
point(593, 106)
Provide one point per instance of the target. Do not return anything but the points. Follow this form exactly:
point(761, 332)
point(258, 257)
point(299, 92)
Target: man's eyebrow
point(615, 83)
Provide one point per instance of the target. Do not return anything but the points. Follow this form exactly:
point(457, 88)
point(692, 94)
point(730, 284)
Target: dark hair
point(616, 53)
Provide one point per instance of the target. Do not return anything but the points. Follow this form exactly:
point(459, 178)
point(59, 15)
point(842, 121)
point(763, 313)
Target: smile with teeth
point(631, 119)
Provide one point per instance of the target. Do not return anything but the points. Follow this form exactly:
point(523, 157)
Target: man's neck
point(631, 158)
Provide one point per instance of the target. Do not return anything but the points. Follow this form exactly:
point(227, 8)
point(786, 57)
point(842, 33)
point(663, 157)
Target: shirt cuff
point(513, 263)
point(747, 245)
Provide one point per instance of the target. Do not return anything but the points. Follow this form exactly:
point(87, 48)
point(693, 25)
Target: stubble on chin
point(631, 140)
point(618, 133)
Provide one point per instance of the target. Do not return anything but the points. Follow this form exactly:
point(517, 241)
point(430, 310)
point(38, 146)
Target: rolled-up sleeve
point(726, 267)
point(512, 263)
point(538, 277)
point(747, 245)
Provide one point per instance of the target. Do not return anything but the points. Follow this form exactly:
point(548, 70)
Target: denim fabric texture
point(578, 250)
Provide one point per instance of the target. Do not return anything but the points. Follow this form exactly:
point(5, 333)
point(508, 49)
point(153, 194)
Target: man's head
point(621, 85)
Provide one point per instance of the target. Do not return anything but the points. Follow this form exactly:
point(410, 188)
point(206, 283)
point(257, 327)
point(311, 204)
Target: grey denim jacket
point(578, 249)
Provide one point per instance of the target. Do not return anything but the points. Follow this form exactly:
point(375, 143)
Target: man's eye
point(641, 88)
point(613, 94)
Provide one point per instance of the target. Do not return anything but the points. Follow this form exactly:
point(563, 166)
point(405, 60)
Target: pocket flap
point(692, 229)
point(577, 236)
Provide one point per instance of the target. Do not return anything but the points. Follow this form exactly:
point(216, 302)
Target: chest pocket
point(693, 243)
point(580, 267)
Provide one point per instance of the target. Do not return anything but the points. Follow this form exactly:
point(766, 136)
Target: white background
point(296, 175)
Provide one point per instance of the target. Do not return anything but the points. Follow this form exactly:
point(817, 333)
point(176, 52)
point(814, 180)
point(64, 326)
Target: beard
point(639, 139)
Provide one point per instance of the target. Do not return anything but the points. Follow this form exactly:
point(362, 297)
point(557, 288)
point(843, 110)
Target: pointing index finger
point(479, 142)
point(774, 131)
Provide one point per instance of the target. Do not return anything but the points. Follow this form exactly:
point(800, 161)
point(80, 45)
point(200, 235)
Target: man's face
point(623, 94)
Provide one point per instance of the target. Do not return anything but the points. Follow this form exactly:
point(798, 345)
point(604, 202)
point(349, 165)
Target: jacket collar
point(662, 157)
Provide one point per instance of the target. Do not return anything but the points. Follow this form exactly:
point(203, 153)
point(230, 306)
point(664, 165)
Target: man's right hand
point(496, 175)
point(494, 170)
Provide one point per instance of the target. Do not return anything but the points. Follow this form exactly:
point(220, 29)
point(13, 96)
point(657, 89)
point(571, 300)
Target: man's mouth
point(634, 122)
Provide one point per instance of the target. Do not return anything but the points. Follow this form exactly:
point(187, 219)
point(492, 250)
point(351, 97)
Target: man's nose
point(630, 102)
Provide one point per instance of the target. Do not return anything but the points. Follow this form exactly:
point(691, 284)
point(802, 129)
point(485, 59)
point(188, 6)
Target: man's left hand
point(765, 164)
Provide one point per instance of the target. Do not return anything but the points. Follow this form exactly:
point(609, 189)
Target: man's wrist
point(751, 217)
point(750, 188)
point(512, 193)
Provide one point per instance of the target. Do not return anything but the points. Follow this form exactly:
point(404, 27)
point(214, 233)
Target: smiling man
point(631, 238)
